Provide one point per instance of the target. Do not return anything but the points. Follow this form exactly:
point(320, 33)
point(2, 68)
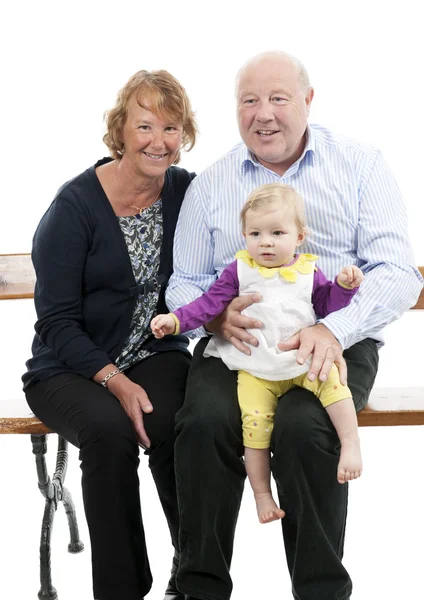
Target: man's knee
point(211, 421)
point(300, 423)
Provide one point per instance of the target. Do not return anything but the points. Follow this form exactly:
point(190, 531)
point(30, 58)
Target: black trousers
point(91, 418)
point(210, 479)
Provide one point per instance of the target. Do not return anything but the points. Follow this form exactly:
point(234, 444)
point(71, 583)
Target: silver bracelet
point(109, 376)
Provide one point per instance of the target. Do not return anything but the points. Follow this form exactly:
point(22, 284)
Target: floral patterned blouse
point(143, 236)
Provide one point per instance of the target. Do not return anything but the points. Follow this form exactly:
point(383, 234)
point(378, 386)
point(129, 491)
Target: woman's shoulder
point(78, 198)
point(83, 183)
point(179, 177)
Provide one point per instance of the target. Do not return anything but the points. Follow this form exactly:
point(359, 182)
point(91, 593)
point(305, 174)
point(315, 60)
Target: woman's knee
point(110, 435)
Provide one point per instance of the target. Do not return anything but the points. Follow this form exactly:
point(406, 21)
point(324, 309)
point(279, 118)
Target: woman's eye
point(144, 127)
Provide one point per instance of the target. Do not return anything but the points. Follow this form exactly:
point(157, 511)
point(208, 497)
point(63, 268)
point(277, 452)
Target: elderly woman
point(103, 255)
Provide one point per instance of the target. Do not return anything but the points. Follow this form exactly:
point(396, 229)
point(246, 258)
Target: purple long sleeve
point(210, 304)
point(329, 296)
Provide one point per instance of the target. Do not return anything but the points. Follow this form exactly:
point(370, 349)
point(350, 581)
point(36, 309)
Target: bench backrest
point(17, 278)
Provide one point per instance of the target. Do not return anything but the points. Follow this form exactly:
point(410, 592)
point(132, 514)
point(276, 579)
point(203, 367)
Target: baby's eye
point(278, 232)
point(255, 233)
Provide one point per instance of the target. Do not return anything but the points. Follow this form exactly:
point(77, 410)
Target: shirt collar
point(247, 158)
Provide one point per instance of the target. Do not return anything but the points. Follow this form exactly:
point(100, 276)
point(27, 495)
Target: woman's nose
point(157, 140)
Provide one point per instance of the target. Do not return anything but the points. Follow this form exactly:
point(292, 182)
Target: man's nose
point(265, 111)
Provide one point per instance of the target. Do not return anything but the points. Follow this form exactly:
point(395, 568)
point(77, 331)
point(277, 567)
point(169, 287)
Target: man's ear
point(308, 100)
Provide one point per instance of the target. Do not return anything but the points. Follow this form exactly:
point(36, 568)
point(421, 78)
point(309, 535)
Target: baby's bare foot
point(267, 509)
point(350, 464)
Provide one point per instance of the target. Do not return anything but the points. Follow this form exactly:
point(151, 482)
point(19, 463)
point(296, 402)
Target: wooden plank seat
point(387, 407)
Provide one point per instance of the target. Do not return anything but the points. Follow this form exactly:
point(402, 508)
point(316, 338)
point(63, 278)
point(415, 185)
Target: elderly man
point(355, 214)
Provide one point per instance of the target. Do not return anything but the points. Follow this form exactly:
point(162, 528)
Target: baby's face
point(272, 235)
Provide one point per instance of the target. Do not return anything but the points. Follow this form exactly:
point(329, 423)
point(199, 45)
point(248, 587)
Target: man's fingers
point(290, 344)
point(239, 345)
point(342, 367)
point(318, 359)
point(327, 365)
point(242, 302)
point(306, 348)
point(241, 334)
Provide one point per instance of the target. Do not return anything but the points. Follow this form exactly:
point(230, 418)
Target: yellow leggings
point(258, 400)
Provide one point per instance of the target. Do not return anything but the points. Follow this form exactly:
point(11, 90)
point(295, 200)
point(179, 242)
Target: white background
point(62, 65)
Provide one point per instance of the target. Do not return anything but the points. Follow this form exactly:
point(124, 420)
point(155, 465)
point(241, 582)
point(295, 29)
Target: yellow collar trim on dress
point(303, 264)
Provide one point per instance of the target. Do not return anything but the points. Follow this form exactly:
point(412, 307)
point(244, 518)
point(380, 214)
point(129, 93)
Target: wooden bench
point(17, 280)
point(387, 407)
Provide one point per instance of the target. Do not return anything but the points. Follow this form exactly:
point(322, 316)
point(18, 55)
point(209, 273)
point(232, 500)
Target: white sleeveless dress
point(285, 309)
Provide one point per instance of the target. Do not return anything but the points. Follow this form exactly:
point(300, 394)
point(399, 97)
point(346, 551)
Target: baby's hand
point(162, 325)
point(351, 276)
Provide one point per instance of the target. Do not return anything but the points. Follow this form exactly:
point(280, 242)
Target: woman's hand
point(134, 401)
point(232, 325)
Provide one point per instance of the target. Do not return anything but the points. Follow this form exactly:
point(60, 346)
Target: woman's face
point(151, 144)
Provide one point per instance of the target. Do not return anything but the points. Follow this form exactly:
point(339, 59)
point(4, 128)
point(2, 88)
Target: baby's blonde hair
point(272, 193)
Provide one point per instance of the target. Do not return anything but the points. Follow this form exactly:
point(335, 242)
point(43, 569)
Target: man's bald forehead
point(279, 58)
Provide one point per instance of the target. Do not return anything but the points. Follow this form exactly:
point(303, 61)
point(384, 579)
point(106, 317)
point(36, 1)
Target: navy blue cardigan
point(85, 290)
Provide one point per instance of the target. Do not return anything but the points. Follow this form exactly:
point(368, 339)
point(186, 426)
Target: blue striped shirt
point(354, 215)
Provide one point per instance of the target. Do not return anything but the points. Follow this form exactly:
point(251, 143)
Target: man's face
point(272, 112)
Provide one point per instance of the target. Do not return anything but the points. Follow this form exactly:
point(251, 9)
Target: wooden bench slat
point(393, 406)
point(22, 425)
point(387, 407)
point(17, 276)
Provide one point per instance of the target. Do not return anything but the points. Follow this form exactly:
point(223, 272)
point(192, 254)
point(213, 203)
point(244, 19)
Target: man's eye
point(249, 101)
point(280, 100)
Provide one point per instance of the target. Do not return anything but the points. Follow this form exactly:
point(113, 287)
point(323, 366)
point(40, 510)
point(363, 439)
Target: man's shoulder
point(327, 140)
point(180, 176)
point(227, 165)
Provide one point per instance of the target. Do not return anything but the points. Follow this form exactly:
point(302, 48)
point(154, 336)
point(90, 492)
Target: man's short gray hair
point(302, 73)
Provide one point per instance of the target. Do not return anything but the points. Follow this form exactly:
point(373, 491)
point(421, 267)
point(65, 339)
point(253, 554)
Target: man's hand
point(325, 349)
point(134, 401)
point(232, 325)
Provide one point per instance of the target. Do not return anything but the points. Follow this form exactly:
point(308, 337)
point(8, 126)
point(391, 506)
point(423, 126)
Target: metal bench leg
point(54, 492)
point(65, 497)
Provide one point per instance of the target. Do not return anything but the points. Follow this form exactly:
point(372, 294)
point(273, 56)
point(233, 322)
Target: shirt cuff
point(343, 329)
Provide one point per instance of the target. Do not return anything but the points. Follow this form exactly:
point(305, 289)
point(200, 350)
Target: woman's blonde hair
point(166, 97)
point(272, 193)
